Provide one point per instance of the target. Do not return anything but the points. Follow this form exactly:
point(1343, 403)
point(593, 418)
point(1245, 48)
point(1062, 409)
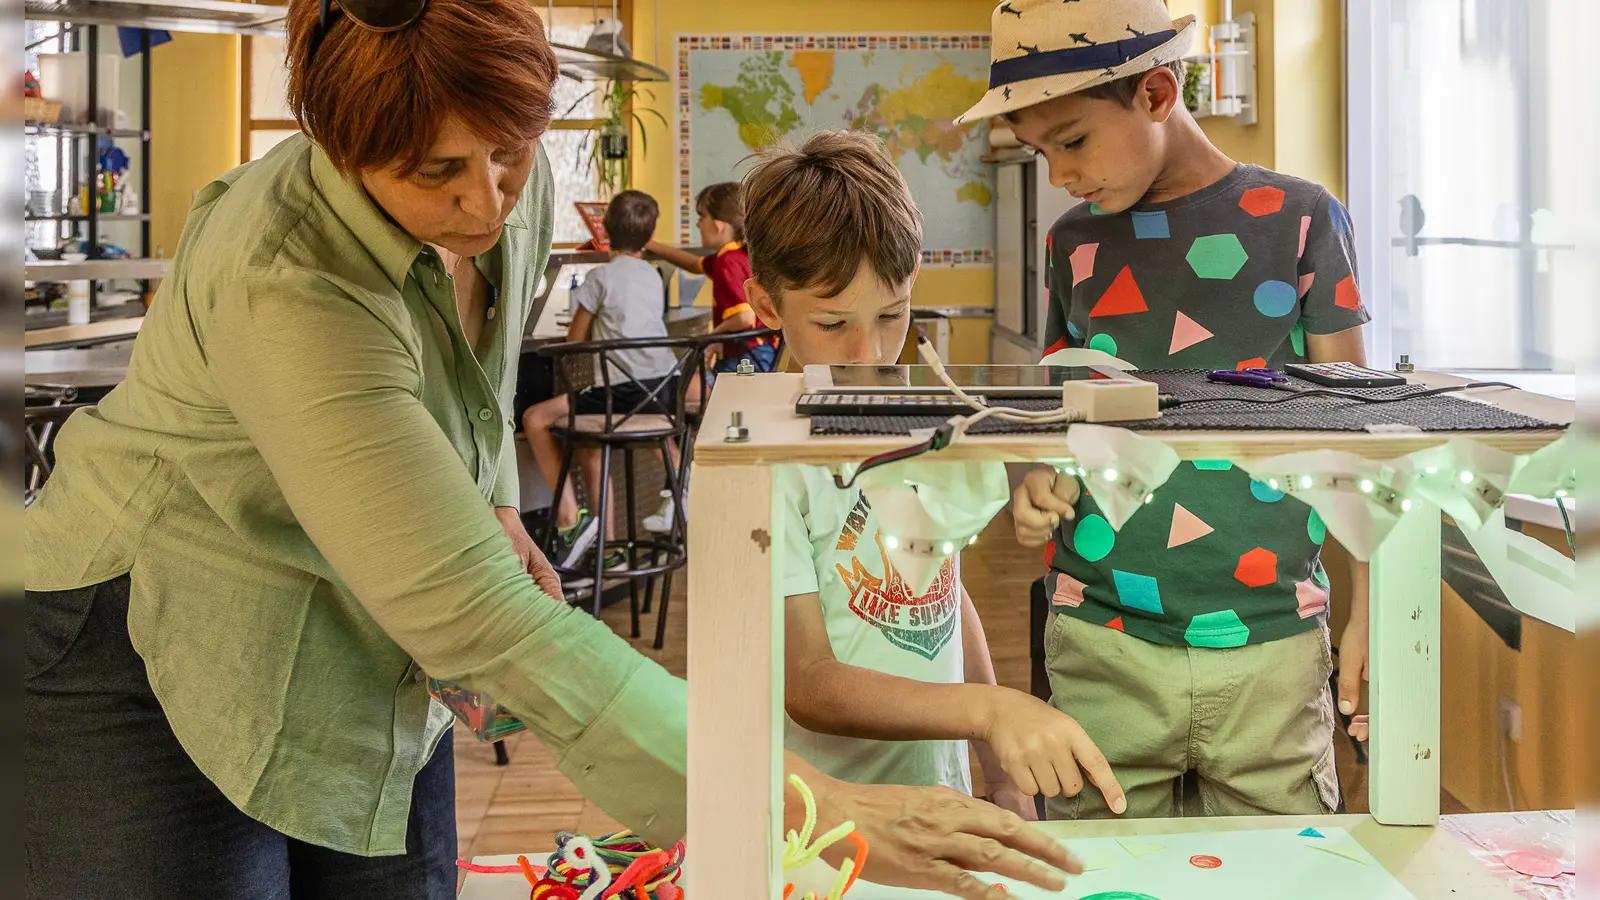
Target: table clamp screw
point(745, 367)
point(1404, 365)
point(737, 433)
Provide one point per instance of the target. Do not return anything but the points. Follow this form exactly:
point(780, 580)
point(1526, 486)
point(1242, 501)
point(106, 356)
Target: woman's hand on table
point(933, 838)
point(1041, 502)
point(533, 560)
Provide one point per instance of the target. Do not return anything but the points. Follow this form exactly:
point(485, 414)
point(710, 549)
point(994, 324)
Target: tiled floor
point(520, 807)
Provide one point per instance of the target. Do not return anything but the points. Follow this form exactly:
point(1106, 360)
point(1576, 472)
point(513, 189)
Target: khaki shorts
point(1254, 724)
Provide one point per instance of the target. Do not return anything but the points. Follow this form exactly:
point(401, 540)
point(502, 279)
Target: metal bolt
point(737, 433)
point(1404, 365)
point(745, 367)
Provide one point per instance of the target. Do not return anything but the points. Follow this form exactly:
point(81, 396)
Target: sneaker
point(616, 558)
point(661, 521)
point(575, 540)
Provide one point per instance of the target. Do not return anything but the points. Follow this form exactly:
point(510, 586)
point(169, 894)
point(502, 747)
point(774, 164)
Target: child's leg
point(1264, 728)
point(1132, 698)
point(588, 459)
point(546, 450)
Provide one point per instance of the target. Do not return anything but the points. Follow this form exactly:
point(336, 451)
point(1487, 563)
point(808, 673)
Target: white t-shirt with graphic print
point(832, 547)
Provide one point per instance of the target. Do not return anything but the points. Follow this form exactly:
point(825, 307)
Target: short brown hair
point(721, 201)
point(1124, 89)
point(374, 100)
point(631, 220)
point(814, 214)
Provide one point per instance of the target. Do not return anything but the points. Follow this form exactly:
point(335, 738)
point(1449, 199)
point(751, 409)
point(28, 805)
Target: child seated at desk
point(619, 300)
point(1194, 640)
point(835, 241)
point(721, 225)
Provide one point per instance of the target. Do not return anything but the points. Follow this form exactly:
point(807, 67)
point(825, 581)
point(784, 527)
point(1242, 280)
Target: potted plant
point(610, 155)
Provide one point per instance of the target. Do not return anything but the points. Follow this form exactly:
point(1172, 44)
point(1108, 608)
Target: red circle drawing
point(1538, 865)
point(1205, 862)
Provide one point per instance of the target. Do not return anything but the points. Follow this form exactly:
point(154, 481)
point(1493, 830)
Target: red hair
point(377, 100)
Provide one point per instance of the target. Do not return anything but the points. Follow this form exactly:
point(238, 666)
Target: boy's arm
point(1040, 748)
point(679, 257)
point(979, 666)
point(1347, 346)
point(1344, 346)
point(582, 322)
point(824, 695)
point(740, 318)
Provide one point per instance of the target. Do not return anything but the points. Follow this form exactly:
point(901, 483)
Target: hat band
point(1074, 59)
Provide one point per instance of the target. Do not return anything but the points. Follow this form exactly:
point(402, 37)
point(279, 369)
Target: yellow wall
point(1300, 59)
point(656, 173)
point(194, 133)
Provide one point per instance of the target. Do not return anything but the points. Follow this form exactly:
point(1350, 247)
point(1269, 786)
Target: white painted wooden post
point(735, 791)
point(1403, 782)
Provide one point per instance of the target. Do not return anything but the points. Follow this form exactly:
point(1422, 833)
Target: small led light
point(1148, 498)
point(1272, 483)
point(892, 542)
point(1109, 475)
point(1306, 482)
point(1561, 493)
point(948, 548)
point(972, 540)
point(1431, 470)
point(1405, 506)
point(1466, 477)
point(1367, 485)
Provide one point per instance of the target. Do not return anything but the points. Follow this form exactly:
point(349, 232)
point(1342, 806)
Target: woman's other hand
point(533, 561)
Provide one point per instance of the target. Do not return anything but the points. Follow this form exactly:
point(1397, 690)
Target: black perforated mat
point(1437, 413)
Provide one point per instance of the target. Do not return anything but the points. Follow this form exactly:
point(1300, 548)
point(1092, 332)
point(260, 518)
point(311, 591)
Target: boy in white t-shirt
point(882, 684)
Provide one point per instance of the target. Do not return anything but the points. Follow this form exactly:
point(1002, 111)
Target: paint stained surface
point(1313, 864)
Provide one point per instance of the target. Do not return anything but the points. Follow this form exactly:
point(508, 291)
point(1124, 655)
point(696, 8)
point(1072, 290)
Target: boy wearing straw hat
point(1192, 645)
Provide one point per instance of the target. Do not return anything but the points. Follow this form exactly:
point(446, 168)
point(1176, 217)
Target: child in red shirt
point(722, 225)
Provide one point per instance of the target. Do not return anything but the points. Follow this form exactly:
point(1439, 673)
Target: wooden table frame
point(736, 642)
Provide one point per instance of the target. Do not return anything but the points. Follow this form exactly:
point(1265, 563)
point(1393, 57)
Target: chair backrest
point(708, 340)
point(584, 364)
point(47, 409)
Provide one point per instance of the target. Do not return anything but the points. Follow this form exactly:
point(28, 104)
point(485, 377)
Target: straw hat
point(1045, 48)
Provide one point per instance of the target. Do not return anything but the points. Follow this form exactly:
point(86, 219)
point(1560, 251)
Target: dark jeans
point(115, 809)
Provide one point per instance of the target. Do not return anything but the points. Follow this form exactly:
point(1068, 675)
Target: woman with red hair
point(302, 503)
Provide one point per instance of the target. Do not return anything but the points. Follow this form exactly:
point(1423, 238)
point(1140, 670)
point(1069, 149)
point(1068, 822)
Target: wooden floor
point(520, 807)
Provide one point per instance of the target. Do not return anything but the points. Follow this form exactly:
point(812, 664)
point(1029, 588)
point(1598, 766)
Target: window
point(268, 119)
point(1466, 182)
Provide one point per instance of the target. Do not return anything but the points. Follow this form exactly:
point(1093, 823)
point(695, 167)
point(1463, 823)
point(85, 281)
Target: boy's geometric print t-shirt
point(1231, 276)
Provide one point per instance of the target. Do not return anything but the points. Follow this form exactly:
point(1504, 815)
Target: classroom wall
point(1300, 59)
point(654, 40)
point(194, 137)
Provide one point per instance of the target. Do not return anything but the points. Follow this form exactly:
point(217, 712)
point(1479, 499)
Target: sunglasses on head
point(373, 15)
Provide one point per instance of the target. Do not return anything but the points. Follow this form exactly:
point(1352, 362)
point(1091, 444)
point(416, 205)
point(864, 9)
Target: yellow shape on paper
point(1137, 849)
point(816, 71)
point(1347, 849)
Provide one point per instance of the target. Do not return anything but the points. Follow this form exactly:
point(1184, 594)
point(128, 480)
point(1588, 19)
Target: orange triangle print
point(1122, 298)
point(1186, 332)
point(1186, 527)
point(1117, 624)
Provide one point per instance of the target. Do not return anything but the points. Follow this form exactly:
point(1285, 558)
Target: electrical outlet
point(1511, 718)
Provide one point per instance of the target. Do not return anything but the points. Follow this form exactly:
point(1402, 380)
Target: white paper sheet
point(1255, 865)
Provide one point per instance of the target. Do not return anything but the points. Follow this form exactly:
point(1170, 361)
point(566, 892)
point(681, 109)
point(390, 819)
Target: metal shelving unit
point(78, 144)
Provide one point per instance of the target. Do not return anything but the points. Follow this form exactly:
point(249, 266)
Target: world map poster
point(738, 94)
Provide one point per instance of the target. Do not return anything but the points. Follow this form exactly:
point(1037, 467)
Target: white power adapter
point(1104, 398)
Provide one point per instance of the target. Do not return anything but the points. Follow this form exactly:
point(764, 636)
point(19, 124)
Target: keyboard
point(853, 404)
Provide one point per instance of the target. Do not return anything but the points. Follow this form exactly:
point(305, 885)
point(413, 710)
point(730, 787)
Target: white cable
point(983, 410)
